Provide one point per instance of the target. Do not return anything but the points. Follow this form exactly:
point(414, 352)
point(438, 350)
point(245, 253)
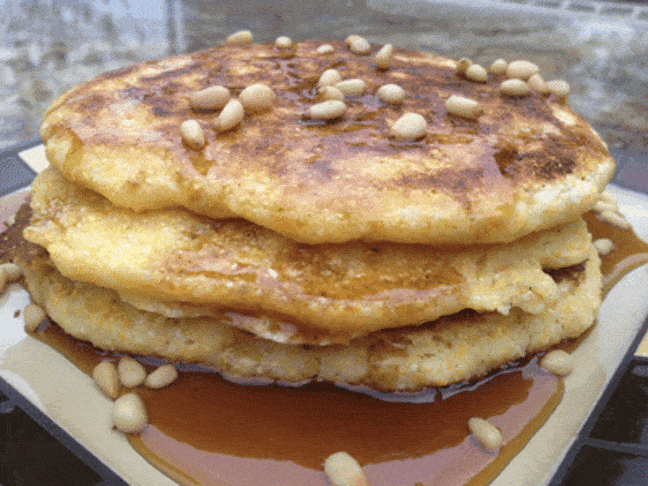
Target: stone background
point(47, 47)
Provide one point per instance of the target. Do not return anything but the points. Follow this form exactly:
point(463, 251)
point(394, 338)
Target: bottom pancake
point(455, 348)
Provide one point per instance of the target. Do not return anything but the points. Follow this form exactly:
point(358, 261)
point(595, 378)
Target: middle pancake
point(176, 261)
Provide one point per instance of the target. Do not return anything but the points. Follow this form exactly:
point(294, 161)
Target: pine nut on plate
point(129, 414)
point(487, 434)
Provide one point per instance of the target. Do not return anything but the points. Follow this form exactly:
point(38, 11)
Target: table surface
point(600, 48)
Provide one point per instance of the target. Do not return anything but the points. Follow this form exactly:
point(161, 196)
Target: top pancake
point(526, 164)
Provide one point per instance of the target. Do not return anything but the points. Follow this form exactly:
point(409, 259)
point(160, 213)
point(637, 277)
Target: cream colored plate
point(70, 398)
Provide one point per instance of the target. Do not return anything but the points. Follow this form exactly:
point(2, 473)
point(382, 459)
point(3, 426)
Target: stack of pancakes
point(295, 249)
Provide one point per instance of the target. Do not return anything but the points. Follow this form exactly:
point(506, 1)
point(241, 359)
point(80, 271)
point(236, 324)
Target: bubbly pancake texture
point(455, 348)
point(339, 291)
point(527, 163)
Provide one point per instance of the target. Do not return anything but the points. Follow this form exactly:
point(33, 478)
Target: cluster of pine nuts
point(129, 413)
point(343, 470)
point(524, 76)
point(254, 98)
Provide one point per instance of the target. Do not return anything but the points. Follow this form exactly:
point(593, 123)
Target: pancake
point(526, 164)
point(454, 348)
point(338, 291)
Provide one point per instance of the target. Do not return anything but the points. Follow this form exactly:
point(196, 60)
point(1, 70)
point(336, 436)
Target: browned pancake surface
point(526, 163)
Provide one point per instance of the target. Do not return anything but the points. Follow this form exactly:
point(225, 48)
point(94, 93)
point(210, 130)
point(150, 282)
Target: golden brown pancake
point(330, 292)
point(526, 164)
point(459, 347)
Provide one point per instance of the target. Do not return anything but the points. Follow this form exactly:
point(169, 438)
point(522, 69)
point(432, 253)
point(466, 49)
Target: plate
point(70, 398)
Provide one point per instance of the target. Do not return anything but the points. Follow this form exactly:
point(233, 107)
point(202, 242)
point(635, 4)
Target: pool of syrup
point(206, 430)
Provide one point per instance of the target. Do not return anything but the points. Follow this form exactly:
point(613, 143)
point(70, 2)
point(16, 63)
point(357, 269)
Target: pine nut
point(462, 65)
point(514, 87)
point(343, 470)
point(604, 246)
point(560, 88)
point(352, 87)
point(230, 117)
point(498, 67)
point(476, 73)
point(131, 372)
point(192, 134)
point(464, 107)
point(106, 377)
point(12, 271)
point(162, 376)
point(129, 414)
point(283, 42)
point(327, 110)
point(487, 434)
point(212, 98)
point(329, 77)
point(391, 93)
point(350, 38)
point(257, 97)
point(384, 56)
point(538, 84)
point(360, 46)
point(33, 315)
point(521, 70)
point(558, 362)
point(331, 93)
point(325, 49)
point(615, 219)
point(410, 126)
point(240, 37)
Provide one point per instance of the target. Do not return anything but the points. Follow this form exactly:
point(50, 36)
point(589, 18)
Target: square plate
point(70, 398)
